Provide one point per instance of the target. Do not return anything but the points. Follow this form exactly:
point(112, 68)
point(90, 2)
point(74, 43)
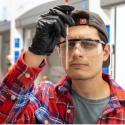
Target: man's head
point(84, 17)
point(88, 48)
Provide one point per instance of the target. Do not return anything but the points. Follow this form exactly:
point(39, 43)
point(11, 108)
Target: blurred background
point(17, 27)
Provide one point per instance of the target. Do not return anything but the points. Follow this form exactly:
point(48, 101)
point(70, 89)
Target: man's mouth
point(78, 65)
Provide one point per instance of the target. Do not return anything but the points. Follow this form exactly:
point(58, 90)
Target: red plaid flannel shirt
point(22, 102)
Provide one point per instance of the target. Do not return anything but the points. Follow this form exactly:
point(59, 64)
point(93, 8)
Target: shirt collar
point(63, 86)
point(116, 92)
point(117, 95)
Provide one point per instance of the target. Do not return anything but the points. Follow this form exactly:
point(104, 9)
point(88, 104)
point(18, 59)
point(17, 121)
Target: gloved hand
point(50, 27)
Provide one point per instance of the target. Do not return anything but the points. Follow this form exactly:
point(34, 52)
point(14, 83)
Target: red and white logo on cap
point(83, 21)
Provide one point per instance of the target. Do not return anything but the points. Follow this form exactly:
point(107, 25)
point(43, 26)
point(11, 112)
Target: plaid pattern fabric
point(15, 89)
point(48, 103)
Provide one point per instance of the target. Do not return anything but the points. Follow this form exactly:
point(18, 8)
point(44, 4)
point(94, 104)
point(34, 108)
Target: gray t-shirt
point(88, 111)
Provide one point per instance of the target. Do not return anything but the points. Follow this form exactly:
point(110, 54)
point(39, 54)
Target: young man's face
point(86, 55)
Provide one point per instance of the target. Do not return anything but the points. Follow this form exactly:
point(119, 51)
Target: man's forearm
point(33, 60)
point(16, 86)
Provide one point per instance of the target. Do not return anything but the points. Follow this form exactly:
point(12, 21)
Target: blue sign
point(106, 69)
point(16, 55)
point(17, 43)
point(85, 4)
point(108, 32)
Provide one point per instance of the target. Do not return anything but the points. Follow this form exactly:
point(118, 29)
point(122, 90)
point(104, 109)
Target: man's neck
point(95, 88)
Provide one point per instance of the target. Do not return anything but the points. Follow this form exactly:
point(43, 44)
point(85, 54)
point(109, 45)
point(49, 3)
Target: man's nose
point(78, 50)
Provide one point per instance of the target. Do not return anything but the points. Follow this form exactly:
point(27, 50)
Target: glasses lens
point(87, 46)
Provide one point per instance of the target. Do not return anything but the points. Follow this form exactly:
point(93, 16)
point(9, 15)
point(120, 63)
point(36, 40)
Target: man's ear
point(106, 52)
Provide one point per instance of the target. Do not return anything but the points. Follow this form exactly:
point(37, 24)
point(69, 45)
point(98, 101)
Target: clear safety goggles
point(89, 47)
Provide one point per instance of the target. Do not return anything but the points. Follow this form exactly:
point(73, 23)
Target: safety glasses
point(89, 46)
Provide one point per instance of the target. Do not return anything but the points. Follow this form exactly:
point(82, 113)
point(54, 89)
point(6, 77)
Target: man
point(85, 95)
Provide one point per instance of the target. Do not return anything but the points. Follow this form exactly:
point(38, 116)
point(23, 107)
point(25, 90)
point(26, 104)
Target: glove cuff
point(38, 52)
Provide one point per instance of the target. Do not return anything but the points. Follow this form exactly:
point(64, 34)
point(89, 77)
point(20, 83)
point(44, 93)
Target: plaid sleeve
point(15, 89)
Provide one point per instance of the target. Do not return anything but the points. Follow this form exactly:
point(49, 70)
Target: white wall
point(23, 6)
point(120, 46)
point(5, 10)
point(19, 7)
point(94, 6)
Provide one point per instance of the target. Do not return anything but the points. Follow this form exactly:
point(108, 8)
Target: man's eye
point(71, 44)
point(88, 44)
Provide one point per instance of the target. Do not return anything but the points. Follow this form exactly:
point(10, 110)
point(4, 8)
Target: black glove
point(50, 27)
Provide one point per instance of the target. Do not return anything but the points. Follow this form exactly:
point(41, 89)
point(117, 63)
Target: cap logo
point(83, 21)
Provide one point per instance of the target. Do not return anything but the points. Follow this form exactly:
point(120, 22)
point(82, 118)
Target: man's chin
point(79, 77)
